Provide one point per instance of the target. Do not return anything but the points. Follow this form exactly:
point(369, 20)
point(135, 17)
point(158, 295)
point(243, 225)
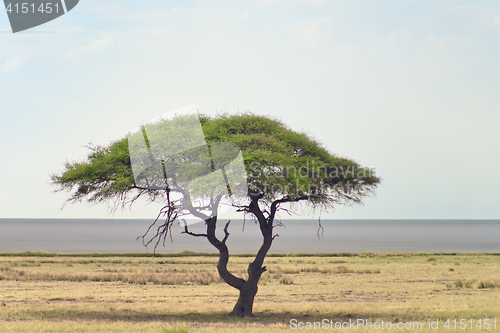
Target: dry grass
point(178, 294)
point(168, 276)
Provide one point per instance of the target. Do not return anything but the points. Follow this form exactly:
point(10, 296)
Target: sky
point(407, 87)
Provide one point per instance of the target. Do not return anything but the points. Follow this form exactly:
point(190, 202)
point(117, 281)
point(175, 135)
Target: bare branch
point(226, 233)
point(278, 223)
point(186, 231)
point(170, 213)
point(320, 227)
point(276, 203)
point(286, 210)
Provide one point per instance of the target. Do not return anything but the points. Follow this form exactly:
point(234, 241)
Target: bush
point(488, 284)
point(285, 280)
point(467, 284)
point(343, 270)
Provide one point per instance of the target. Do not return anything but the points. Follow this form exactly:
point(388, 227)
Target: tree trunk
point(244, 305)
point(248, 290)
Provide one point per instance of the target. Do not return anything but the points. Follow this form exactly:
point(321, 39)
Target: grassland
point(42, 292)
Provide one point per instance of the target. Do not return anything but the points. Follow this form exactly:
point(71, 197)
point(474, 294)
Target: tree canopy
point(279, 166)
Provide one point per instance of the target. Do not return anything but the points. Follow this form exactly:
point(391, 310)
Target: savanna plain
point(45, 292)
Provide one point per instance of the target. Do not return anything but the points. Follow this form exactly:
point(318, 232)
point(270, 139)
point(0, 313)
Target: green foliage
point(105, 175)
point(280, 164)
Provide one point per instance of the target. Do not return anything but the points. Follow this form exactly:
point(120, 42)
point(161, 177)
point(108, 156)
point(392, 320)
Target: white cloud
point(150, 32)
point(485, 23)
point(394, 40)
point(468, 10)
point(313, 31)
point(481, 18)
point(155, 17)
point(97, 45)
point(270, 2)
point(496, 22)
point(14, 64)
point(291, 2)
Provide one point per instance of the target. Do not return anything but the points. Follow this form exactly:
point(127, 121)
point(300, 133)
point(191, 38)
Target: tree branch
point(226, 233)
point(229, 278)
point(186, 231)
point(254, 208)
point(276, 203)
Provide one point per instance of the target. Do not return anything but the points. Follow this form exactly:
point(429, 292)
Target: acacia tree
point(283, 168)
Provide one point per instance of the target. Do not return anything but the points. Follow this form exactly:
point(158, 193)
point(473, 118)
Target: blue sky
point(408, 87)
